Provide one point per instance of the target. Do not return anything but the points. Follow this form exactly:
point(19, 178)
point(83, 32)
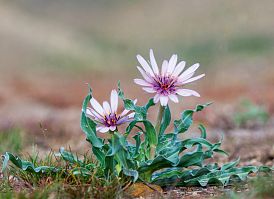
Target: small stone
point(195, 193)
point(138, 190)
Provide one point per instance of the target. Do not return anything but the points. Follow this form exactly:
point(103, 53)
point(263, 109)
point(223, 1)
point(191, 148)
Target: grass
point(11, 140)
point(258, 188)
point(60, 184)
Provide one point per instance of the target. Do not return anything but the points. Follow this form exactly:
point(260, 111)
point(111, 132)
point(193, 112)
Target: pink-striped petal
point(191, 69)
point(149, 89)
point(194, 79)
point(97, 107)
point(141, 82)
point(172, 63)
point(112, 128)
point(145, 65)
point(153, 62)
point(146, 76)
point(114, 101)
point(106, 107)
point(104, 129)
point(125, 111)
point(164, 67)
point(182, 78)
point(93, 113)
point(179, 68)
point(187, 92)
point(173, 97)
point(156, 98)
point(163, 100)
point(131, 115)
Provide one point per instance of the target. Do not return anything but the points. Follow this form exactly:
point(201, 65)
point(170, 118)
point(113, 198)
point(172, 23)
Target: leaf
point(88, 126)
point(81, 172)
point(138, 141)
point(26, 165)
point(131, 173)
point(183, 124)
point(205, 175)
point(70, 157)
point(165, 121)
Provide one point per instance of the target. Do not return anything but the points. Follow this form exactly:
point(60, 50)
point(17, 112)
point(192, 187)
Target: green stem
point(157, 129)
point(159, 119)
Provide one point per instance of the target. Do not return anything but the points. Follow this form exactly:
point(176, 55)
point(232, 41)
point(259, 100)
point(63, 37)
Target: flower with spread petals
point(167, 83)
point(106, 116)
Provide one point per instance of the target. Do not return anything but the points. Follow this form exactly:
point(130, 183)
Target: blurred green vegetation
point(11, 140)
point(258, 188)
point(250, 114)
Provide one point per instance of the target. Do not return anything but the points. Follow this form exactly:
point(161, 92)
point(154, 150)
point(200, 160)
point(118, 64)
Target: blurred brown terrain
point(50, 50)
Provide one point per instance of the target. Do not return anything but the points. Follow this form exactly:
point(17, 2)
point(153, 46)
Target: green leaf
point(100, 155)
point(183, 124)
point(131, 173)
point(88, 126)
point(138, 141)
point(205, 175)
point(70, 157)
point(165, 121)
point(26, 165)
point(81, 172)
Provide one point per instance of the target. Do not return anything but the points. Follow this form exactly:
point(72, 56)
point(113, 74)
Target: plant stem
point(157, 129)
point(159, 119)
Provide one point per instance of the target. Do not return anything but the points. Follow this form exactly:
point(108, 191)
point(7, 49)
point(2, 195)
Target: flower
point(167, 83)
point(106, 116)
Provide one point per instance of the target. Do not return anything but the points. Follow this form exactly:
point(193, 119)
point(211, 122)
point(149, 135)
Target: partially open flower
point(106, 116)
point(167, 83)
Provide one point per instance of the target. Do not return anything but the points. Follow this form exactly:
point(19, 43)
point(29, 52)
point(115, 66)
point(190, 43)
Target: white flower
point(167, 83)
point(106, 116)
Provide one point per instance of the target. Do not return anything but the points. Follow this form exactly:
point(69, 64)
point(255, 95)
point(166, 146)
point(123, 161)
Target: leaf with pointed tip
point(26, 165)
point(88, 126)
point(165, 121)
point(183, 124)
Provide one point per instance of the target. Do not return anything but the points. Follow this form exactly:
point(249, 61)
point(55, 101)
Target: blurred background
point(50, 49)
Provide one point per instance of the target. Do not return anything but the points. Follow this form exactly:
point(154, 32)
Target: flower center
point(111, 119)
point(165, 84)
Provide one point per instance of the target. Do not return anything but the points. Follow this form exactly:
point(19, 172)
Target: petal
point(97, 107)
point(94, 114)
point(183, 77)
point(156, 98)
point(126, 111)
point(112, 128)
point(194, 79)
point(172, 63)
point(149, 89)
point(174, 98)
point(187, 92)
point(131, 115)
point(114, 101)
point(179, 68)
point(163, 100)
point(153, 62)
point(146, 76)
point(164, 67)
point(106, 107)
point(191, 69)
point(145, 65)
point(141, 82)
point(104, 129)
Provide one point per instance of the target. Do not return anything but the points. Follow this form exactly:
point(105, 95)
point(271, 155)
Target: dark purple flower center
point(165, 84)
point(111, 120)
